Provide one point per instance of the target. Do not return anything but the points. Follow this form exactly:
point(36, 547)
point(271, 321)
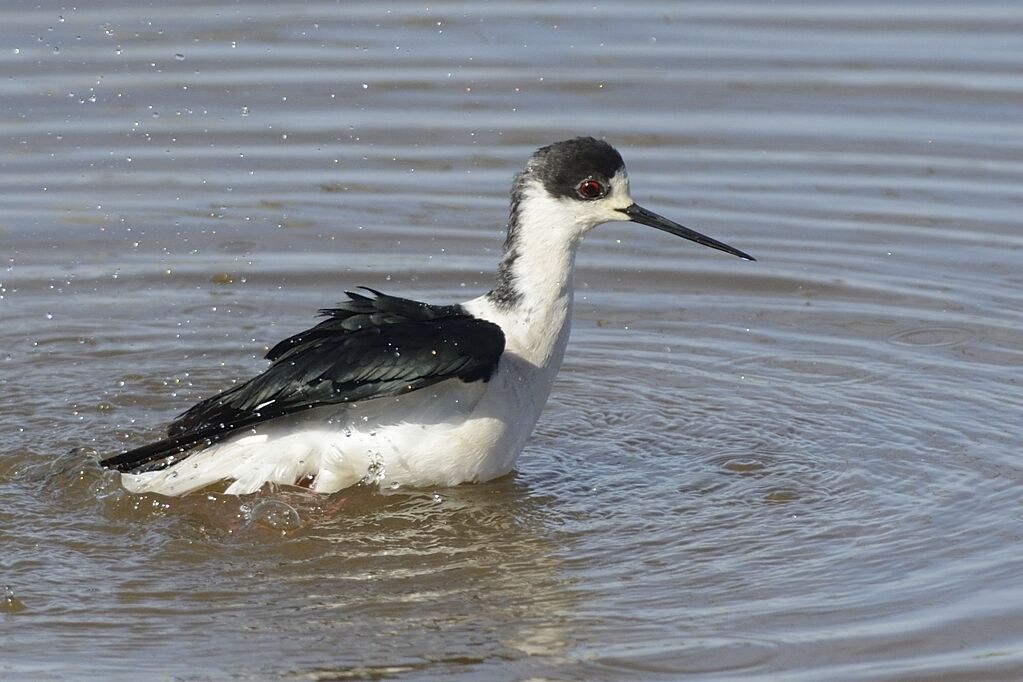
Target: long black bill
point(638, 214)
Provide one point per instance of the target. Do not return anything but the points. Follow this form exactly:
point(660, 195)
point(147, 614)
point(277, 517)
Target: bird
point(389, 391)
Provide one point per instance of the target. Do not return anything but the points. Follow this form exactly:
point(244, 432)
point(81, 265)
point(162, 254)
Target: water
point(799, 468)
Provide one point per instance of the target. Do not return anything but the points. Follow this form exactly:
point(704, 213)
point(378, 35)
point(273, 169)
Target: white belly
point(447, 434)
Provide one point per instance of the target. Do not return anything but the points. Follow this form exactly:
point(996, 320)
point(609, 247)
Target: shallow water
point(799, 468)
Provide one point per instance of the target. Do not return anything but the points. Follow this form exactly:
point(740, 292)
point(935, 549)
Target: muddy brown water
point(802, 468)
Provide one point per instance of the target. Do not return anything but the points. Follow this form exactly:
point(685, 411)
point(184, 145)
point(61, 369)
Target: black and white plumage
point(367, 348)
point(390, 389)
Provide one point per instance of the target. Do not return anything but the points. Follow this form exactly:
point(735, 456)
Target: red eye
point(590, 189)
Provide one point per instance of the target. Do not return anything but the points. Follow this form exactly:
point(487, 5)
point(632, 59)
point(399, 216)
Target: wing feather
point(368, 347)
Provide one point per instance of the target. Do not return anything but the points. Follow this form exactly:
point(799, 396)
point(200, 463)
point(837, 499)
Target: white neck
point(533, 301)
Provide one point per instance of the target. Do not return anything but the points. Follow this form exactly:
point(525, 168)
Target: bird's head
point(578, 184)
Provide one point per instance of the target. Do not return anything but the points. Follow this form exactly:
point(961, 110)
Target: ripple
point(802, 369)
point(774, 477)
point(699, 655)
point(931, 337)
point(781, 495)
point(743, 465)
point(760, 464)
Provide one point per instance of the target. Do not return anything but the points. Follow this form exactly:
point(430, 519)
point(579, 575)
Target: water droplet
point(272, 514)
point(437, 499)
point(9, 603)
point(180, 57)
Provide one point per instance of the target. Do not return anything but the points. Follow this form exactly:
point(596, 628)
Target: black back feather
point(368, 347)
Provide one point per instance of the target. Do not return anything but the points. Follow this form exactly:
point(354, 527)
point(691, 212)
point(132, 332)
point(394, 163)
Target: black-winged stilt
point(390, 390)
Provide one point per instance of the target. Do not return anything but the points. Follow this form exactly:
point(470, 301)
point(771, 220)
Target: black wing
point(366, 348)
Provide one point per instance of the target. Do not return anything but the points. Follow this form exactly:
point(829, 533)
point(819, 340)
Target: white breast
point(450, 433)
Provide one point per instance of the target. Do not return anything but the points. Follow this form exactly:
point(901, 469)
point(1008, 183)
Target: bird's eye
point(590, 189)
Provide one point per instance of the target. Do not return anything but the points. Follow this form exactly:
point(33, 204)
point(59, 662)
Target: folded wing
point(368, 347)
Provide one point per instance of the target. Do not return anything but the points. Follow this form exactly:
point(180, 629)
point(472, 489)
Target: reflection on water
point(805, 466)
point(406, 578)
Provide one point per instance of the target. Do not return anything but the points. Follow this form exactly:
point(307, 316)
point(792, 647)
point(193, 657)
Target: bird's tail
point(163, 453)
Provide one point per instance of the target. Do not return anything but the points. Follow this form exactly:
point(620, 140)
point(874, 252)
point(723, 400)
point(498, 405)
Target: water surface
point(799, 468)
